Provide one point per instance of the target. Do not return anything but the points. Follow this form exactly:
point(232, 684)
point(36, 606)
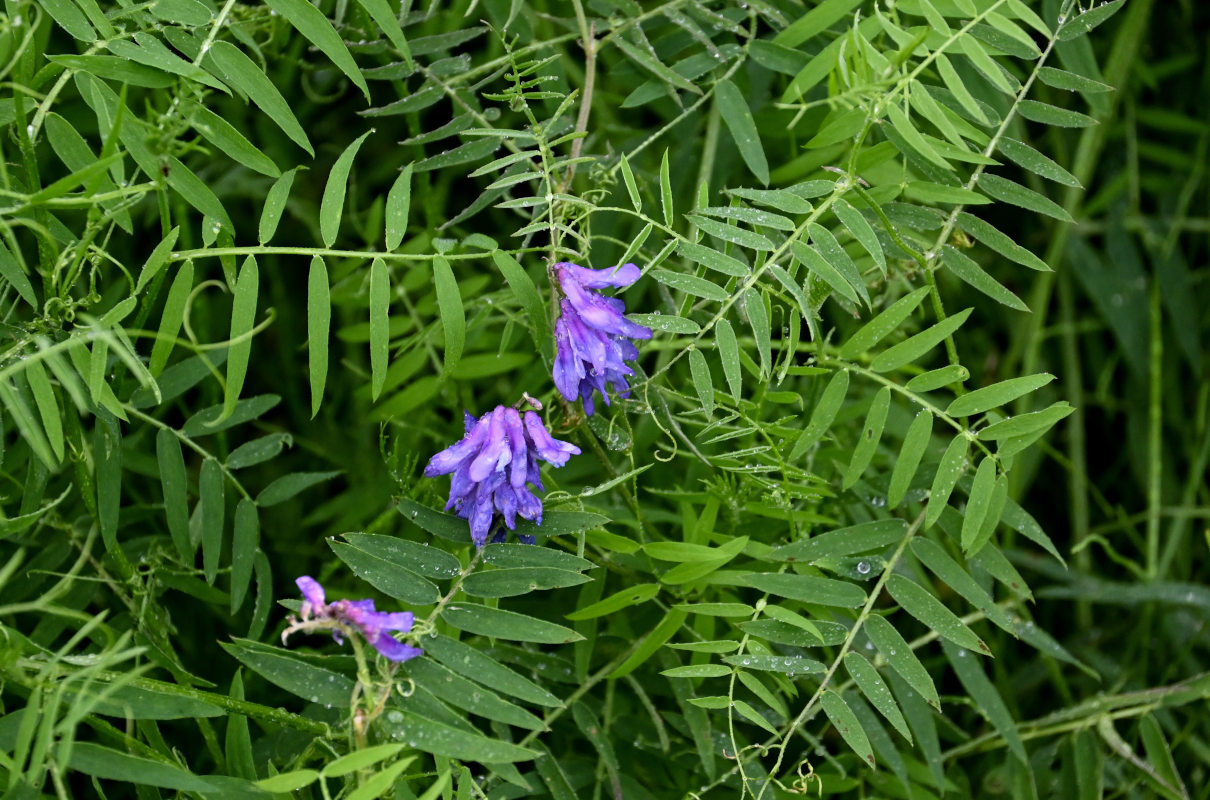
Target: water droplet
point(863, 567)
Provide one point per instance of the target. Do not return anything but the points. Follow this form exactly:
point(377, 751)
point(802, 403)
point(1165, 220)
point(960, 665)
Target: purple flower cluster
point(592, 337)
point(492, 464)
point(349, 615)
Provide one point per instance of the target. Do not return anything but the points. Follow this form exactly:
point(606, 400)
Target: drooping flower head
point(592, 337)
point(345, 616)
point(491, 466)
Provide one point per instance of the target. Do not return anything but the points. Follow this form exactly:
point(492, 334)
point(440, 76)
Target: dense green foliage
point(908, 498)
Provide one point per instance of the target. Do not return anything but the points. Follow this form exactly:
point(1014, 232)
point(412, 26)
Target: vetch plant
point(909, 272)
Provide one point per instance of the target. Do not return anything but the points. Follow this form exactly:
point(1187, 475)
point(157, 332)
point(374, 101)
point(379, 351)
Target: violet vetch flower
point(491, 466)
point(592, 337)
point(375, 626)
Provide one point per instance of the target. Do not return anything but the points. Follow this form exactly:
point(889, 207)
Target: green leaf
point(420, 559)
point(460, 692)
point(471, 663)
point(758, 318)
point(632, 188)
point(971, 273)
point(69, 17)
point(876, 691)
point(936, 617)
point(151, 51)
point(709, 257)
point(998, 241)
point(650, 63)
point(861, 231)
point(781, 199)
point(388, 22)
point(1015, 194)
point(1071, 82)
point(882, 325)
point(12, 272)
point(790, 285)
point(697, 671)
point(1053, 115)
point(360, 759)
point(691, 284)
point(197, 193)
point(281, 668)
point(245, 541)
point(846, 723)
point(48, 406)
point(651, 643)
point(447, 526)
point(287, 486)
point(987, 65)
point(718, 609)
point(808, 589)
point(980, 502)
point(1081, 24)
point(380, 300)
point(1029, 158)
point(171, 463)
point(155, 262)
point(312, 24)
point(895, 649)
point(453, 317)
point(508, 554)
point(275, 204)
point(734, 109)
point(331, 206)
point(914, 444)
point(666, 190)
point(1035, 422)
point(954, 82)
point(239, 70)
point(947, 569)
point(501, 624)
point(510, 582)
point(212, 499)
point(699, 372)
point(399, 205)
point(102, 762)
point(224, 136)
point(989, 702)
point(526, 293)
point(728, 353)
point(948, 471)
point(818, 19)
point(630, 596)
point(903, 126)
point(842, 542)
point(319, 321)
point(210, 420)
point(916, 346)
point(440, 739)
point(821, 268)
point(171, 318)
point(823, 415)
point(996, 395)
point(827, 246)
point(734, 234)
point(788, 665)
point(935, 193)
point(243, 317)
point(936, 378)
point(838, 126)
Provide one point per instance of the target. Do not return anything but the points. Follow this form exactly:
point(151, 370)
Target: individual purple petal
point(453, 456)
point(518, 446)
point(392, 648)
point(495, 454)
point(617, 277)
point(313, 595)
point(548, 448)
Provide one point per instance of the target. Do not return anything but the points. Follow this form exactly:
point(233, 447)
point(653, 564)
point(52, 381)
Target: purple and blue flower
point(491, 466)
point(592, 337)
point(346, 616)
